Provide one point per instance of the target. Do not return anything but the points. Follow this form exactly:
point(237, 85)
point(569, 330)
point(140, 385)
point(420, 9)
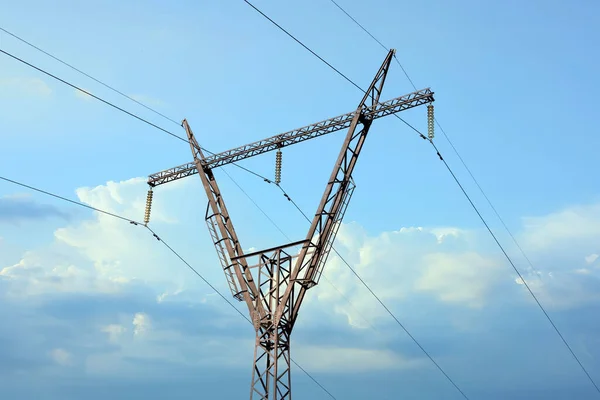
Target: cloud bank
point(114, 304)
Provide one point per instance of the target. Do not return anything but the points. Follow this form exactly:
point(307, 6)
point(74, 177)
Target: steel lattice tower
point(274, 284)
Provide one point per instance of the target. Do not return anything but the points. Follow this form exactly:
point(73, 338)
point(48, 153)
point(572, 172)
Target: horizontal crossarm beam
point(340, 122)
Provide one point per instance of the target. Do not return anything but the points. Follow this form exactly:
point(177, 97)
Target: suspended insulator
point(148, 207)
point(430, 121)
point(278, 167)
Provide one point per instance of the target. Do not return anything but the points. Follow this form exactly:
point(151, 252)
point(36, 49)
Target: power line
point(375, 39)
point(89, 76)
point(480, 215)
point(322, 59)
point(517, 270)
point(514, 239)
point(362, 281)
point(92, 95)
point(303, 45)
point(117, 107)
point(195, 271)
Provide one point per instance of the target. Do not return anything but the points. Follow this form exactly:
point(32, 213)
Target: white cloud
point(565, 243)
point(24, 86)
point(591, 258)
point(443, 234)
point(44, 271)
point(583, 271)
point(104, 254)
point(352, 360)
point(459, 278)
point(566, 227)
point(169, 295)
point(445, 265)
point(61, 357)
point(141, 323)
point(114, 331)
point(404, 263)
point(567, 289)
point(164, 344)
point(82, 95)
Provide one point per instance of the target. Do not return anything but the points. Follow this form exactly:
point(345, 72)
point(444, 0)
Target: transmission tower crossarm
point(312, 131)
point(336, 196)
point(224, 237)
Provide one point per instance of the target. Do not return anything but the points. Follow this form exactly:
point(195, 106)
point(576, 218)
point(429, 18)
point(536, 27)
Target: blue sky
point(92, 306)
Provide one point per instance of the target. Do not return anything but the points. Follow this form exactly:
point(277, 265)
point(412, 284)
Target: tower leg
point(271, 374)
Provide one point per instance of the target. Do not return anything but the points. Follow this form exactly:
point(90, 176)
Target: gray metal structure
point(274, 284)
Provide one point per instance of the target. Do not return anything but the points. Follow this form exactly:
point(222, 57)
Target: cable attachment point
point(430, 121)
point(148, 206)
point(278, 167)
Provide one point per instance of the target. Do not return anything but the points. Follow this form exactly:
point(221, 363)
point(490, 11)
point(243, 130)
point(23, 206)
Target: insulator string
point(148, 207)
point(430, 121)
point(278, 167)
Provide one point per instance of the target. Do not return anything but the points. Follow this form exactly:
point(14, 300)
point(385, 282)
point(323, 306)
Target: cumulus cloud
point(83, 95)
point(353, 360)
point(564, 245)
point(114, 331)
point(572, 226)
point(459, 278)
point(17, 87)
point(141, 324)
point(591, 258)
point(442, 263)
point(46, 272)
point(61, 357)
point(101, 253)
point(566, 289)
point(446, 266)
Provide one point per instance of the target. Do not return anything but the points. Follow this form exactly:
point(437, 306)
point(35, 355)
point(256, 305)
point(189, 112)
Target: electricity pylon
point(274, 285)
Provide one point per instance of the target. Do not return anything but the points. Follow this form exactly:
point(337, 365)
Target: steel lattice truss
point(334, 124)
point(274, 284)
